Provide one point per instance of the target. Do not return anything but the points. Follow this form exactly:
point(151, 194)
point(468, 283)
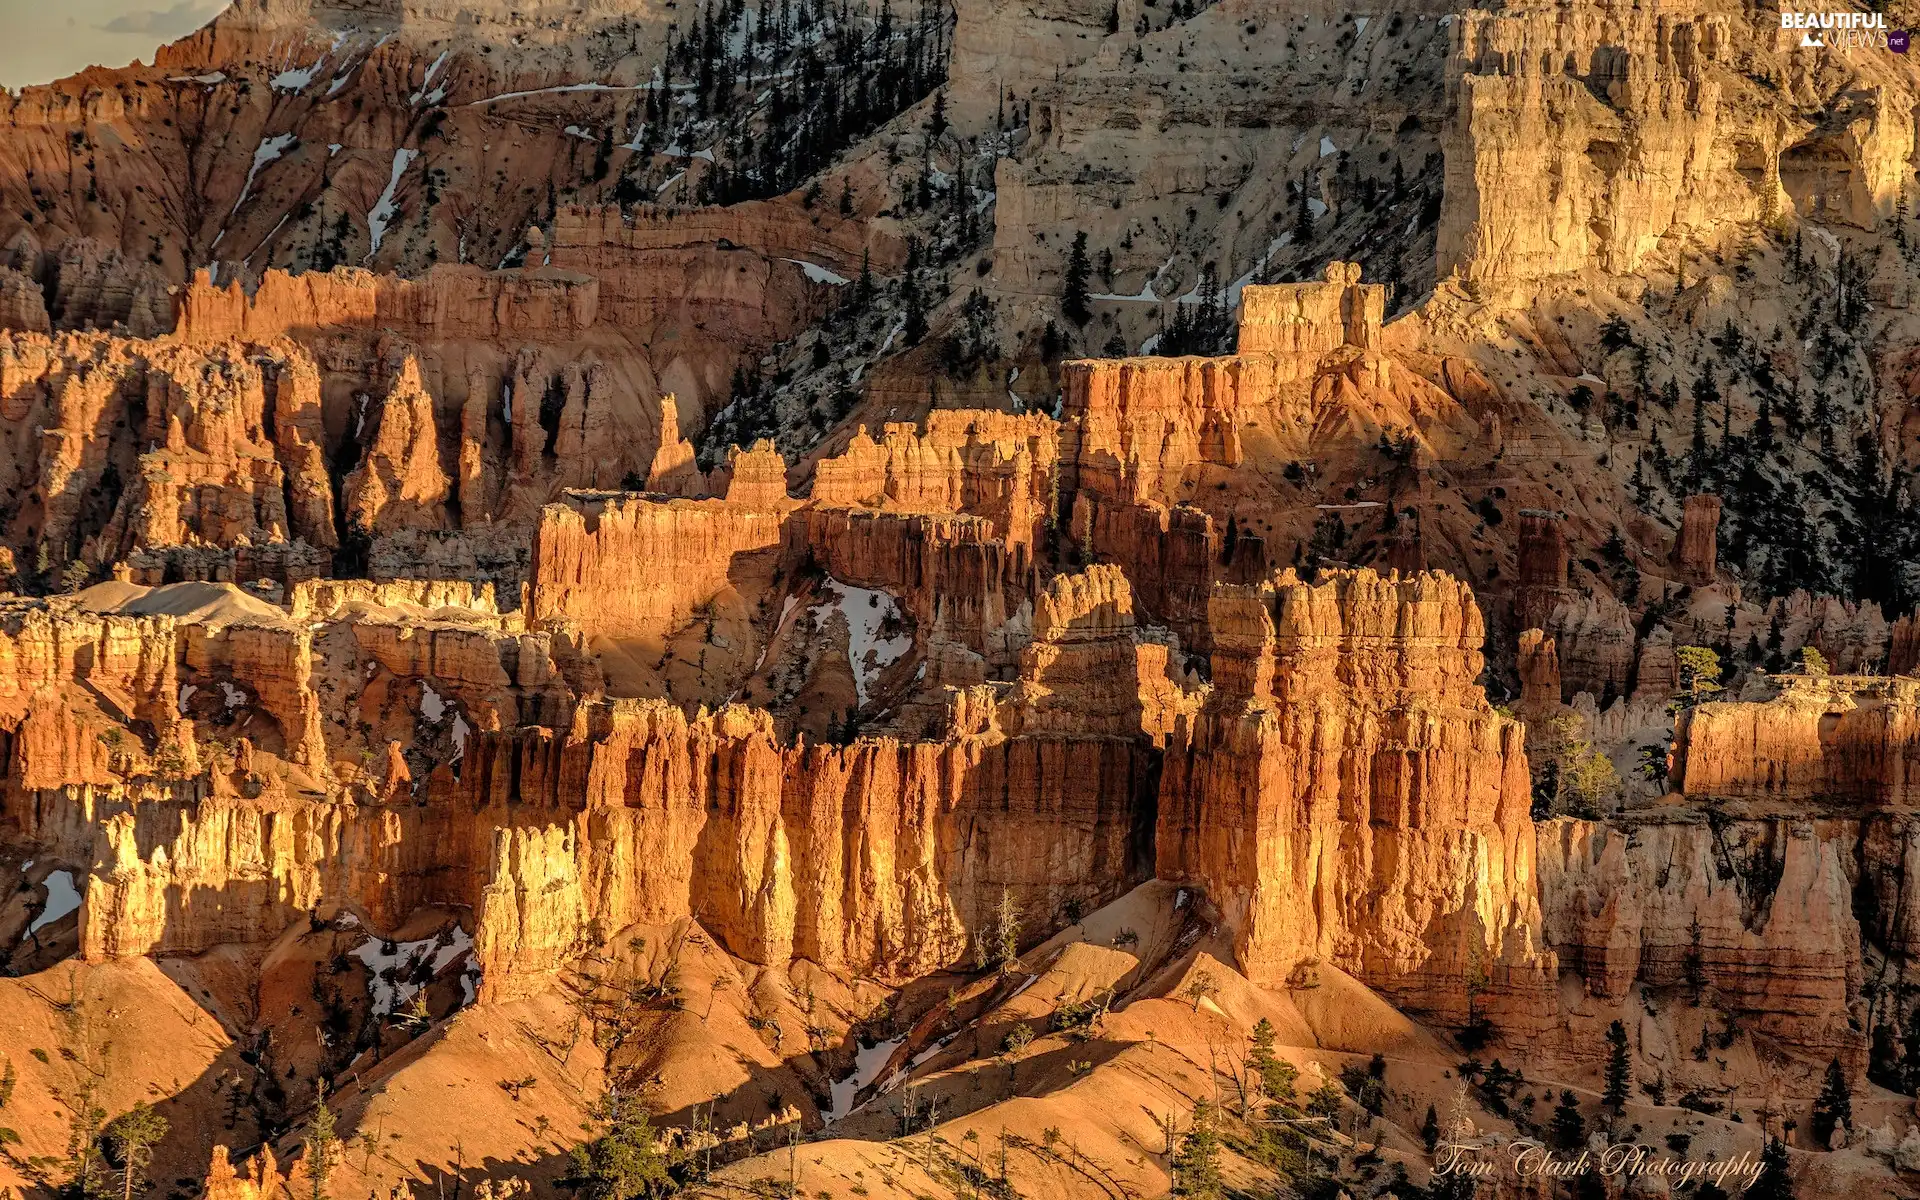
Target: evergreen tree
point(1197, 1165)
point(1833, 1107)
point(622, 1163)
point(133, 1135)
point(1073, 303)
point(1430, 1129)
point(1699, 458)
point(1619, 1068)
point(323, 1146)
point(1776, 1180)
point(1303, 217)
point(83, 1134)
point(1568, 1126)
point(846, 196)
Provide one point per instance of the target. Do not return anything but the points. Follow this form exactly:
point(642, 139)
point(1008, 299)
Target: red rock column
point(1539, 675)
point(1695, 553)
point(1543, 561)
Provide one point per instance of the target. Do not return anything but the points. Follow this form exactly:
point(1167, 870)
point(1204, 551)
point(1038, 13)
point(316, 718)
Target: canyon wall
point(1349, 795)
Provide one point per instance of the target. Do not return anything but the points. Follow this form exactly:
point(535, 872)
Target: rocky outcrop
point(22, 306)
point(1643, 126)
point(589, 555)
point(1539, 669)
point(400, 484)
point(993, 465)
point(1761, 912)
point(448, 303)
point(1695, 553)
point(1823, 738)
point(1346, 769)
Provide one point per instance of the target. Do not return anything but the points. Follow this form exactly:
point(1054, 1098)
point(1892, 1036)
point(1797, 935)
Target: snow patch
point(1360, 26)
point(818, 273)
point(865, 613)
point(570, 87)
point(1327, 147)
point(186, 693)
point(427, 91)
point(62, 898)
point(460, 731)
point(295, 79)
point(384, 209)
point(209, 79)
point(233, 696)
point(393, 975)
point(1317, 207)
point(867, 1064)
point(432, 707)
point(268, 150)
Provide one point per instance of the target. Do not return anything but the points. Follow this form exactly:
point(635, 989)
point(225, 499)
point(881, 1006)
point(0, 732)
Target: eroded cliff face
point(1349, 795)
point(1757, 916)
point(1645, 124)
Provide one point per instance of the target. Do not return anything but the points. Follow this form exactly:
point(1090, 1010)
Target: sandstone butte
point(410, 693)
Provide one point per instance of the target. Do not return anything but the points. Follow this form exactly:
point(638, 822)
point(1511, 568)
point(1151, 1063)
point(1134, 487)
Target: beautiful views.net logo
point(1820, 30)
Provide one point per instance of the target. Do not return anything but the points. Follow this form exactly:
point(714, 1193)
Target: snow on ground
point(427, 91)
point(818, 273)
point(392, 975)
point(865, 613)
point(460, 731)
point(233, 696)
point(868, 1061)
point(1360, 25)
point(186, 693)
point(432, 707)
point(62, 898)
point(1327, 147)
point(268, 150)
point(569, 87)
point(209, 80)
point(1317, 207)
point(295, 79)
point(385, 210)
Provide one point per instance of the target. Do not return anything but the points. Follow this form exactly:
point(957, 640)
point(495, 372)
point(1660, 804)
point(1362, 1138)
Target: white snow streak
point(385, 210)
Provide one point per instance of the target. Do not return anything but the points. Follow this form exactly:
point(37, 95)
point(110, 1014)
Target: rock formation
point(1694, 553)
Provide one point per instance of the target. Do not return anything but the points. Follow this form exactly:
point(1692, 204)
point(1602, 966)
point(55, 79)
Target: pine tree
point(846, 197)
point(1776, 1180)
point(1833, 1107)
point(1073, 302)
point(133, 1135)
point(1303, 218)
point(1113, 18)
point(1197, 1165)
point(863, 288)
point(1430, 1129)
point(1569, 1127)
point(83, 1135)
point(622, 1163)
point(1619, 1068)
point(322, 1146)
